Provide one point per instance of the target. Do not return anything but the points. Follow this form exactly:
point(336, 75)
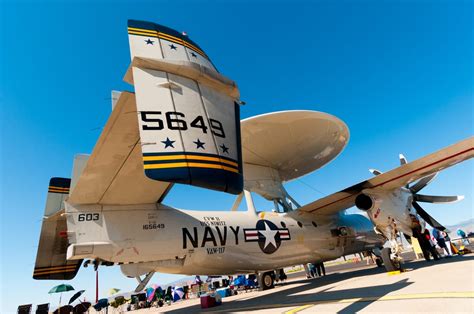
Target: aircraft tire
point(390, 265)
point(267, 280)
point(379, 262)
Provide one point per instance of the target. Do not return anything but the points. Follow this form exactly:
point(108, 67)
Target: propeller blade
point(403, 160)
point(423, 182)
point(426, 217)
point(437, 199)
point(375, 172)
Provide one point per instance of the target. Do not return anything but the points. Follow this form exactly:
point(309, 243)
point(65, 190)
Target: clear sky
point(400, 74)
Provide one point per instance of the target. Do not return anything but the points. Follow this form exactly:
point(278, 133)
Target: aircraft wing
point(114, 172)
point(394, 178)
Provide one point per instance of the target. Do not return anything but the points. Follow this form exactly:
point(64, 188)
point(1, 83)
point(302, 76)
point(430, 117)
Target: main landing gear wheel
point(390, 265)
point(379, 262)
point(266, 280)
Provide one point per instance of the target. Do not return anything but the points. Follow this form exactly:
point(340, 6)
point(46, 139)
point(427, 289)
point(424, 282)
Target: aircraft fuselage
point(155, 237)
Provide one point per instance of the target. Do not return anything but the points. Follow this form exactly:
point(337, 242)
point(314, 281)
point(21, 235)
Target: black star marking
point(173, 47)
point(225, 149)
point(149, 41)
point(168, 143)
point(199, 144)
point(193, 54)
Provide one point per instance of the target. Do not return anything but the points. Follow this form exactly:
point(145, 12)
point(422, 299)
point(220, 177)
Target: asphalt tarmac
point(442, 286)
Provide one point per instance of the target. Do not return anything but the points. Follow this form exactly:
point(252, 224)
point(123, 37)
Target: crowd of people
point(439, 239)
point(314, 270)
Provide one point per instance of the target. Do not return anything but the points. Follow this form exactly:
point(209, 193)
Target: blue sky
point(400, 74)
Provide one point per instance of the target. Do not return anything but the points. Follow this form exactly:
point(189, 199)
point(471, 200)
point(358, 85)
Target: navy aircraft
point(181, 125)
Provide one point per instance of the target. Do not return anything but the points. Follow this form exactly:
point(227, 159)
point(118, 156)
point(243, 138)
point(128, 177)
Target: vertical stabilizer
point(58, 190)
point(188, 116)
point(51, 260)
point(154, 41)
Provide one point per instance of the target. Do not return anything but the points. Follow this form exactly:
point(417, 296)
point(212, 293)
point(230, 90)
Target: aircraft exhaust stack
point(365, 202)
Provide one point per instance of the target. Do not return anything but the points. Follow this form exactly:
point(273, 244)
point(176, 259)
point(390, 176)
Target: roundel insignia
point(268, 236)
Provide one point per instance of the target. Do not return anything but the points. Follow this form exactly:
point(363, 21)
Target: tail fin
point(188, 113)
point(51, 260)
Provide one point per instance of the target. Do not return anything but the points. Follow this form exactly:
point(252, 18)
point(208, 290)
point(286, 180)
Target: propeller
point(426, 217)
point(437, 199)
point(375, 172)
point(418, 186)
point(403, 160)
point(423, 182)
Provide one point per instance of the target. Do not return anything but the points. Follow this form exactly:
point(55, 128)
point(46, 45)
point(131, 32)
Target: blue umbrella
point(101, 304)
point(178, 293)
point(76, 296)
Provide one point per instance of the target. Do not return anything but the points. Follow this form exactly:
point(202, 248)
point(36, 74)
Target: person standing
point(447, 241)
point(440, 240)
point(369, 257)
point(306, 270)
point(431, 246)
point(462, 234)
point(312, 270)
point(320, 269)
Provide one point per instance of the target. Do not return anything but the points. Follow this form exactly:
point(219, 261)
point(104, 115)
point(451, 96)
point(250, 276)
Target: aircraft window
point(314, 224)
point(300, 224)
point(283, 224)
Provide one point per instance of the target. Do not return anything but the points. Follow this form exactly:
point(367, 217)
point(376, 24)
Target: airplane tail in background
point(188, 113)
point(51, 257)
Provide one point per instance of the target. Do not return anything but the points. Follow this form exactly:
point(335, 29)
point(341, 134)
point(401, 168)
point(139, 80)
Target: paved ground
point(443, 286)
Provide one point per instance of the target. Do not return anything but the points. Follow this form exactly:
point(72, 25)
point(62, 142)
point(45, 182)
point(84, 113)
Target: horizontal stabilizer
point(114, 172)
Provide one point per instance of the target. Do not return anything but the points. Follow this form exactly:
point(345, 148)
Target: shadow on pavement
point(422, 263)
point(289, 297)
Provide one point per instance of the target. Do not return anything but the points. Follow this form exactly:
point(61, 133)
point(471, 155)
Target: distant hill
point(186, 280)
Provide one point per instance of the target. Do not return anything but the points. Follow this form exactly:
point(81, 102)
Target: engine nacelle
point(388, 210)
point(367, 202)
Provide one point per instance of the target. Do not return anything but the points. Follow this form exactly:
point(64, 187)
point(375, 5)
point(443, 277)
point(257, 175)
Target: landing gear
point(143, 282)
point(266, 280)
point(379, 262)
point(391, 263)
point(378, 256)
point(281, 275)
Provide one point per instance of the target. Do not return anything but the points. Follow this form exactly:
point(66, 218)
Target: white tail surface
point(188, 116)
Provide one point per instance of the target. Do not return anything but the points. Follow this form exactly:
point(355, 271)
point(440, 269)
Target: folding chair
point(24, 309)
point(42, 308)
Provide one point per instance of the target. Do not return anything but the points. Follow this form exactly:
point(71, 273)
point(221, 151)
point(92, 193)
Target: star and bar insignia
point(268, 236)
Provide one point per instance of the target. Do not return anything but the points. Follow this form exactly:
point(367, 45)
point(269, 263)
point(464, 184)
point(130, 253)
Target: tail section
point(51, 260)
point(188, 113)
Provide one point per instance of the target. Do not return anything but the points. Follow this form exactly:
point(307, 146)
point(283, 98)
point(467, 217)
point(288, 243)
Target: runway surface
point(443, 286)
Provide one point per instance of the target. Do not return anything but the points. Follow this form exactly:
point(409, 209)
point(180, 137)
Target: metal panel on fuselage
point(208, 242)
